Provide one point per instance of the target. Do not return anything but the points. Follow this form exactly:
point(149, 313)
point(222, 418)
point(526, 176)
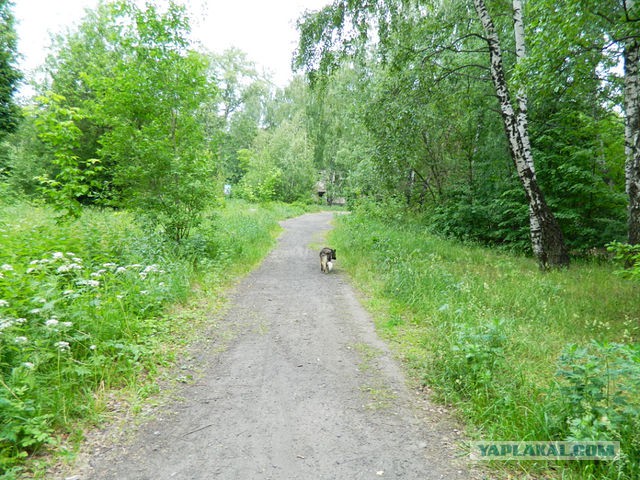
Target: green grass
point(99, 304)
point(491, 333)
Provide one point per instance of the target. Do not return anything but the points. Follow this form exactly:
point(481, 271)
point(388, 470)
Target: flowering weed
point(71, 322)
point(83, 307)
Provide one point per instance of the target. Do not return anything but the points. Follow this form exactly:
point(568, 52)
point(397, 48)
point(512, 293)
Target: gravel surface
point(305, 390)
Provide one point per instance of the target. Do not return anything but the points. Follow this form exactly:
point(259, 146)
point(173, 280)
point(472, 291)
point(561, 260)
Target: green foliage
point(599, 385)
point(10, 76)
point(484, 331)
point(125, 117)
point(74, 178)
point(150, 104)
point(431, 132)
point(78, 313)
point(475, 356)
point(628, 256)
point(281, 166)
point(237, 112)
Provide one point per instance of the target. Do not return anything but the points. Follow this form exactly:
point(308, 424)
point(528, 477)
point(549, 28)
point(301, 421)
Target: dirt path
point(305, 391)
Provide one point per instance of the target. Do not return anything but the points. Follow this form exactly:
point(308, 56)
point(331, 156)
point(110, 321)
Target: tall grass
point(84, 308)
point(524, 355)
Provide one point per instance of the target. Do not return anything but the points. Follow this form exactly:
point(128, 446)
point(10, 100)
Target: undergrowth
point(84, 309)
point(524, 355)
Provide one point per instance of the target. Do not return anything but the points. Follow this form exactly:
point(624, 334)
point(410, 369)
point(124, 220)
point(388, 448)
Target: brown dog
point(327, 255)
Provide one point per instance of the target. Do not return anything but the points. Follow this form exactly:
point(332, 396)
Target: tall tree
point(10, 76)
point(608, 30)
point(239, 108)
point(343, 28)
point(546, 237)
point(631, 53)
point(139, 102)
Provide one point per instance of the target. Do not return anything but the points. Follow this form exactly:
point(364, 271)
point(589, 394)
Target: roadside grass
point(98, 305)
point(524, 355)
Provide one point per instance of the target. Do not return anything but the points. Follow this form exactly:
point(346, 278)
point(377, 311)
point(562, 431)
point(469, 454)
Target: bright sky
point(264, 29)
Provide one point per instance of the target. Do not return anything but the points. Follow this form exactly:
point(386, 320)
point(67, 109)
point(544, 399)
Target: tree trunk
point(547, 241)
point(632, 136)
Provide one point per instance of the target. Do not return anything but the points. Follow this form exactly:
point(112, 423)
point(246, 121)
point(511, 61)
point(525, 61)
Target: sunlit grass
point(485, 329)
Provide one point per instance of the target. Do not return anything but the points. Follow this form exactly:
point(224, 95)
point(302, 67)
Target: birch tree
point(632, 121)
point(342, 28)
point(546, 237)
point(610, 28)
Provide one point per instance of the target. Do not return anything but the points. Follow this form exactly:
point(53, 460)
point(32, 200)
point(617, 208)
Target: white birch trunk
point(632, 135)
point(521, 96)
point(546, 238)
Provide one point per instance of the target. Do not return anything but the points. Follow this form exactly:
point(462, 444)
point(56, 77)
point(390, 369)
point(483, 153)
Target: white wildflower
point(121, 269)
point(57, 255)
point(71, 254)
point(31, 270)
point(68, 267)
point(6, 267)
point(52, 322)
point(4, 303)
point(1, 275)
point(67, 324)
point(35, 311)
point(28, 365)
point(77, 260)
point(62, 345)
point(20, 321)
point(20, 339)
point(89, 283)
point(99, 273)
point(67, 292)
point(144, 292)
point(92, 347)
point(109, 265)
point(6, 323)
point(34, 262)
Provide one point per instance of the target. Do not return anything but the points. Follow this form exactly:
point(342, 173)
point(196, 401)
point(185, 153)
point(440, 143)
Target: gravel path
point(306, 390)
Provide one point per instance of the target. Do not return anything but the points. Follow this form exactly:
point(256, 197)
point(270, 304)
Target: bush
point(599, 387)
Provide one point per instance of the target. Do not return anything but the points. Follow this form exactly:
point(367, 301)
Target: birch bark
point(546, 237)
point(632, 135)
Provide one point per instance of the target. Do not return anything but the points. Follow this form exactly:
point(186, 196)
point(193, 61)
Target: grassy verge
point(523, 355)
point(89, 306)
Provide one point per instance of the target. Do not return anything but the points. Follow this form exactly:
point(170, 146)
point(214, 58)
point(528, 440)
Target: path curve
point(305, 391)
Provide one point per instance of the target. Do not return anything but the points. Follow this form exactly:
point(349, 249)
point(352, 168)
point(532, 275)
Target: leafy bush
point(599, 386)
point(629, 256)
point(474, 356)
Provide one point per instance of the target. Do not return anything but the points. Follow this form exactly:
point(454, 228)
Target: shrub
point(599, 385)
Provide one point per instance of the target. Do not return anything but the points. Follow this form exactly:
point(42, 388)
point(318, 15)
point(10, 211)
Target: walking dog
point(327, 255)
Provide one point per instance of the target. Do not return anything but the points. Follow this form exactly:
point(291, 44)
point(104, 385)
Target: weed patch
point(84, 308)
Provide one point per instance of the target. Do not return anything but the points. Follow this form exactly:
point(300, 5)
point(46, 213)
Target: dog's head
point(333, 254)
